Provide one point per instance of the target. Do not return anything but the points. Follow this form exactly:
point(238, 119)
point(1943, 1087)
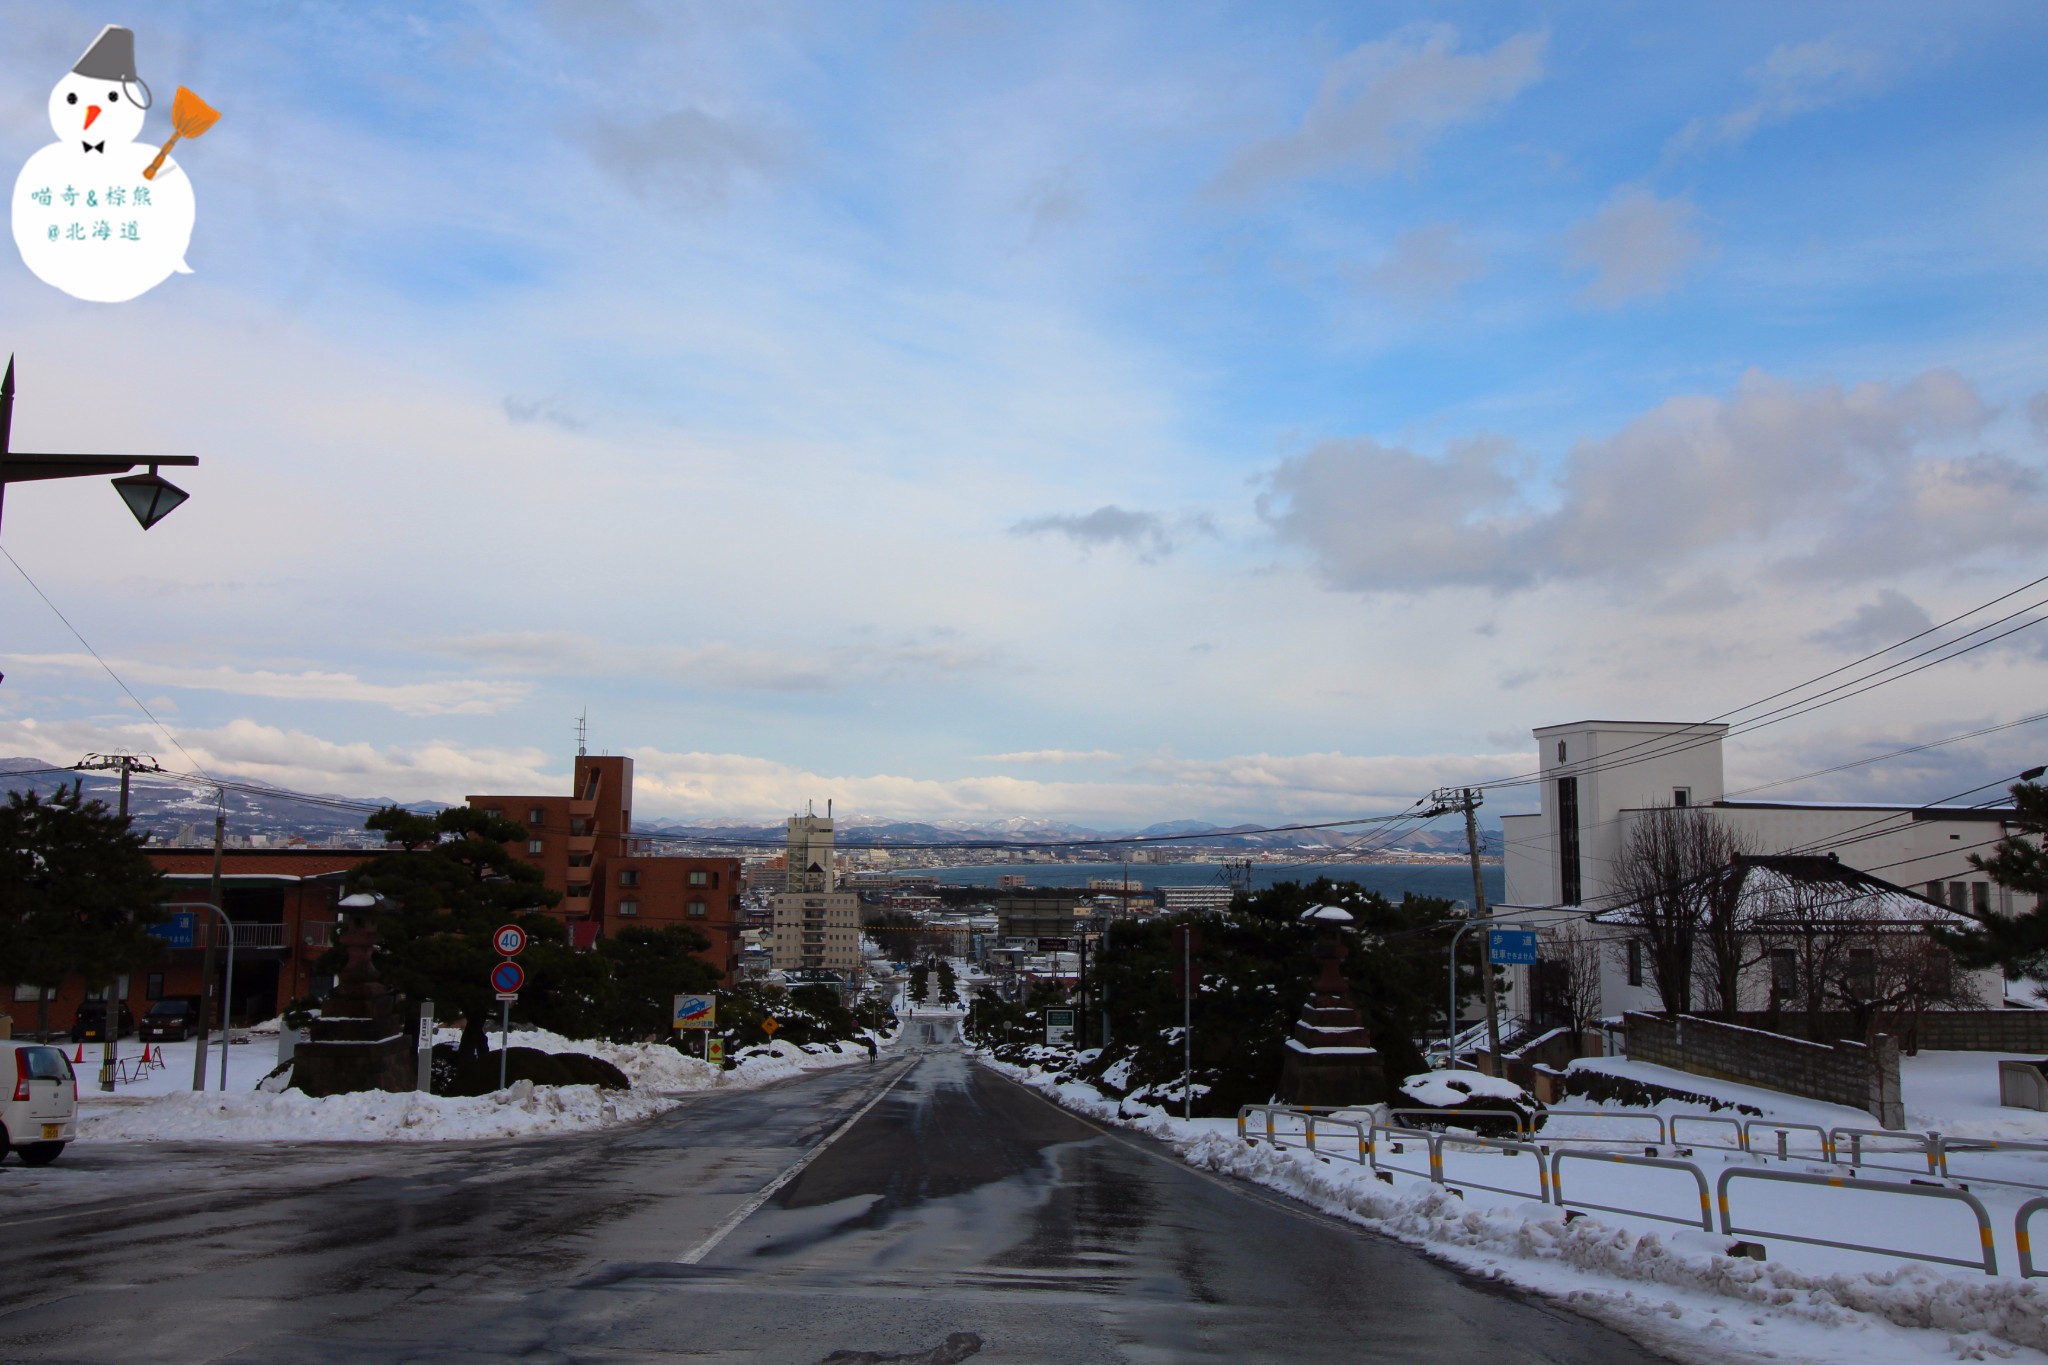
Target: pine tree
point(77, 894)
point(2017, 945)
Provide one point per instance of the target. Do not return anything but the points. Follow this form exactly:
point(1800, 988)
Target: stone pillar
point(357, 1042)
point(1330, 1057)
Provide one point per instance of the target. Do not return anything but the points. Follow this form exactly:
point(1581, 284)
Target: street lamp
point(151, 497)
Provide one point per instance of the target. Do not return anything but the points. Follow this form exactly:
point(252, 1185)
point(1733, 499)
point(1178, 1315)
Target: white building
point(815, 926)
point(1597, 778)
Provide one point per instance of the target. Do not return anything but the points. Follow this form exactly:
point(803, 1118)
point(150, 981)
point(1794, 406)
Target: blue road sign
point(1514, 947)
point(181, 930)
point(507, 977)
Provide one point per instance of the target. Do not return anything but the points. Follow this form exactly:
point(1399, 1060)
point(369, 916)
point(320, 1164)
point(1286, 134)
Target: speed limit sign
point(509, 940)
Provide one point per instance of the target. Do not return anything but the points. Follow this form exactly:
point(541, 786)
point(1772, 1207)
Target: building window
point(535, 815)
point(696, 907)
point(1569, 891)
point(495, 812)
point(1980, 897)
point(1939, 972)
point(1681, 797)
point(629, 876)
point(629, 907)
point(1635, 962)
point(1560, 751)
point(534, 846)
point(1958, 896)
point(1784, 975)
point(30, 993)
point(1936, 894)
point(699, 878)
point(1862, 981)
point(579, 826)
point(153, 986)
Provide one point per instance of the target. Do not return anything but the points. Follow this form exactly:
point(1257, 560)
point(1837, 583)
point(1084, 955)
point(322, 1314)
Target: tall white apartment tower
point(816, 927)
point(810, 852)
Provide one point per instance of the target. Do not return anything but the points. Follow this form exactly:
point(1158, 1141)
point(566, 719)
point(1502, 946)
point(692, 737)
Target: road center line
point(767, 1191)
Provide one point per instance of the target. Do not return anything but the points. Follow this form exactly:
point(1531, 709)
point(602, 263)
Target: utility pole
point(1467, 799)
point(220, 835)
point(110, 1024)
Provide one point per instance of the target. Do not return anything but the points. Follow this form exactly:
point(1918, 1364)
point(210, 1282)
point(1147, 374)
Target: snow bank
point(163, 1108)
point(1674, 1288)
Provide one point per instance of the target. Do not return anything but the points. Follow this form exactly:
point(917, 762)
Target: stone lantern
point(1330, 1057)
point(356, 1043)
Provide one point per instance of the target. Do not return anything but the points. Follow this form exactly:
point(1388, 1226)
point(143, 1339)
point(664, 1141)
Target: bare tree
point(1665, 877)
point(1566, 983)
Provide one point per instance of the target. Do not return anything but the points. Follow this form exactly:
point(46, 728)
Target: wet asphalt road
point(958, 1206)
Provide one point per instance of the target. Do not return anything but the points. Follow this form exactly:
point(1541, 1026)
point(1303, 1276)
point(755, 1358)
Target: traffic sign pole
point(504, 1033)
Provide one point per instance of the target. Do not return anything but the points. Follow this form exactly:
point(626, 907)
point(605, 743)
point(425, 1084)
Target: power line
point(200, 767)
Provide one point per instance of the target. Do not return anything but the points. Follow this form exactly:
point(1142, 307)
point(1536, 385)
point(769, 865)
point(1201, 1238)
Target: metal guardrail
point(1927, 1144)
point(1397, 1140)
point(1520, 1124)
point(1741, 1139)
point(2019, 1234)
point(1557, 1160)
point(1506, 1146)
point(1945, 1145)
point(1662, 1139)
point(1310, 1120)
point(1782, 1129)
point(1988, 1263)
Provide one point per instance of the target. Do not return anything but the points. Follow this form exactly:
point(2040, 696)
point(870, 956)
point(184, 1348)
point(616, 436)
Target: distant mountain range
point(177, 812)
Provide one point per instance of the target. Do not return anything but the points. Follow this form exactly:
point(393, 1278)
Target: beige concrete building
point(815, 925)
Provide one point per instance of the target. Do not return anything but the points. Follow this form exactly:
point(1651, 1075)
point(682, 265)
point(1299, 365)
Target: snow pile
point(163, 1108)
point(1676, 1288)
point(1449, 1089)
point(371, 1116)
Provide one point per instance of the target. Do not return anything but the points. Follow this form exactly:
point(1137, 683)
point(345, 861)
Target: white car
point(38, 1101)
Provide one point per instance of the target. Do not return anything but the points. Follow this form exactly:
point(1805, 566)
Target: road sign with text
point(1514, 947)
point(510, 940)
point(696, 1011)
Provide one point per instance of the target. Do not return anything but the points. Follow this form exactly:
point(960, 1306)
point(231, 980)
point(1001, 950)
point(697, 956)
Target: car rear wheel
point(3, 1142)
point(40, 1153)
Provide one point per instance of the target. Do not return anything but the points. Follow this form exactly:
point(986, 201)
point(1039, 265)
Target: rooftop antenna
point(582, 732)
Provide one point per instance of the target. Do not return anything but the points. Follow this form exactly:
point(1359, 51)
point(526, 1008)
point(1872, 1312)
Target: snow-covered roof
point(1336, 914)
point(1808, 889)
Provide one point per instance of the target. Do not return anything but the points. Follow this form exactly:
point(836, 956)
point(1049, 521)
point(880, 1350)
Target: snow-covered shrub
point(1489, 1101)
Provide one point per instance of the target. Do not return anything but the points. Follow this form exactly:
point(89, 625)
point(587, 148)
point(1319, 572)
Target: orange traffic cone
point(145, 1054)
point(79, 1058)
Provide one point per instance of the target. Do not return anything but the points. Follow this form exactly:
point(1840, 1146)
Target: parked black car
point(89, 1024)
point(172, 1020)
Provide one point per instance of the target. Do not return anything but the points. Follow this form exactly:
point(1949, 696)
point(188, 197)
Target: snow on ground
point(161, 1105)
point(1676, 1287)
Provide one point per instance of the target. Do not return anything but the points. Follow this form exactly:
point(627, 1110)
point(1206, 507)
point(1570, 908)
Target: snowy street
point(939, 1202)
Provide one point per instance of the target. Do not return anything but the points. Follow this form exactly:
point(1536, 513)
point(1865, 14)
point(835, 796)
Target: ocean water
point(1453, 882)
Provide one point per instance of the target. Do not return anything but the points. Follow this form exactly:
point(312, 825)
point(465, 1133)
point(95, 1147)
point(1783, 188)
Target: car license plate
point(50, 1131)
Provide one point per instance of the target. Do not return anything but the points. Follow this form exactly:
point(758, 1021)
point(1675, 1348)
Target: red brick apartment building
point(282, 899)
point(583, 845)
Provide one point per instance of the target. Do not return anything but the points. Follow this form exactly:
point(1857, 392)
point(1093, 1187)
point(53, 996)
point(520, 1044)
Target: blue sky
point(1111, 413)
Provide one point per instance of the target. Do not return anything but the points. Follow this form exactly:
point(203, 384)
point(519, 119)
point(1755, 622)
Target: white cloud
point(446, 697)
point(1424, 266)
point(1636, 246)
point(1892, 617)
point(1052, 756)
point(1380, 104)
point(725, 666)
point(1795, 78)
point(432, 770)
point(1147, 534)
point(1814, 482)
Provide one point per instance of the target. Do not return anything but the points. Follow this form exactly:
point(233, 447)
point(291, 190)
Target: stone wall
point(1862, 1077)
point(2020, 1031)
